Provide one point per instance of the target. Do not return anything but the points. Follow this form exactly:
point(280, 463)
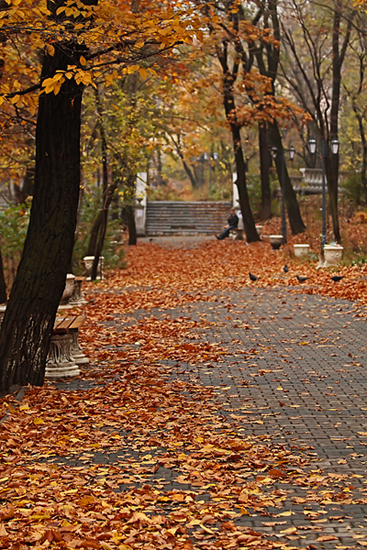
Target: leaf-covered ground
point(137, 452)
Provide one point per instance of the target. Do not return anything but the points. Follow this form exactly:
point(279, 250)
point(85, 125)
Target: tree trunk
point(294, 213)
point(131, 226)
point(364, 150)
point(3, 294)
point(189, 173)
point(332, 161)
point(265, 162)
point(248, 220)
point(93, 238)
point(28, 322)
point(100, 243)
point(107, 198)
point(229, 107)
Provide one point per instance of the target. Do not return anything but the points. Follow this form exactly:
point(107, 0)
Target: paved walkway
point(297, 371)
point(304, 383)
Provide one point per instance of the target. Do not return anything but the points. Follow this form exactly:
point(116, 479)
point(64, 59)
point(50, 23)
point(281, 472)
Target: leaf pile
point(174, 276)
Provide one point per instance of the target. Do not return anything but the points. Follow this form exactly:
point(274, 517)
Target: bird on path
point(285, 269)
point(253, 277)
point(301, 279)
point(337, 278)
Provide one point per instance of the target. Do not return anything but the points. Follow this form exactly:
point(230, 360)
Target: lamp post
point(334, 146)
point(292, 152)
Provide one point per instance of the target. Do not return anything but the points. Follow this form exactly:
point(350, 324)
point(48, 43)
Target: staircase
point(186, 218)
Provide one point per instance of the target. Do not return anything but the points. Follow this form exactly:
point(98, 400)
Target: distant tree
point(268, 58)
point(316, 38)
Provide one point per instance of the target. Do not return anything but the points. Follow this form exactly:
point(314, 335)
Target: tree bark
point(265, 161)
point(28, 322)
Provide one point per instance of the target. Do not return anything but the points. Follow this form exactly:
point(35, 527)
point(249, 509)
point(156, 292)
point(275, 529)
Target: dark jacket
point(233, 220)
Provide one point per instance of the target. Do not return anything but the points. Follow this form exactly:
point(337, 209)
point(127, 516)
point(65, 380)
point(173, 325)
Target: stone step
point(186, 218)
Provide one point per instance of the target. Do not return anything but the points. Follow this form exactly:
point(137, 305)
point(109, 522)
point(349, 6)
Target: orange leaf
point(326, 538)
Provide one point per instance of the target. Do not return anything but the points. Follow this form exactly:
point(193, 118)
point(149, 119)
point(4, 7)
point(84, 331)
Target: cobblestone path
point(304, 385)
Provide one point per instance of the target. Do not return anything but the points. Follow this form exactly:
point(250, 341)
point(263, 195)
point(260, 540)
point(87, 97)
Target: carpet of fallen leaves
point(136, 458)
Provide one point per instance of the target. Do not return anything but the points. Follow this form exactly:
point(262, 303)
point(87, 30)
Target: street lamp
point(312, 145)
point(334, 146)
point(292, 152)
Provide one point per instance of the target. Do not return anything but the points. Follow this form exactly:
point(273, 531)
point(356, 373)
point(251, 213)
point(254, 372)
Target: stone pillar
point(76, 352)
point(141, 207)
point(69, 287)
point(60, 362)
point(77, 298)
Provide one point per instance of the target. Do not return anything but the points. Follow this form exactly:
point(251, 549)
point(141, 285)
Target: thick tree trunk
point(3, 294)
point(294, 213)
point(28, 322)
point(265, 162)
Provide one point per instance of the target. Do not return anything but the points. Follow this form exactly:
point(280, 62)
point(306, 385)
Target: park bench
point(77, 297)
point(65, 355)
point(236, 234)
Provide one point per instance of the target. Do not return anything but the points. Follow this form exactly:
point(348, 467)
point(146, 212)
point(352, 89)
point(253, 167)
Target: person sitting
point(232, 224)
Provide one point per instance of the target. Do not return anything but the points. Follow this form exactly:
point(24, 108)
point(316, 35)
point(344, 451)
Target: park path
point(291, 374)
point(296, 376)
point(215, 413)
